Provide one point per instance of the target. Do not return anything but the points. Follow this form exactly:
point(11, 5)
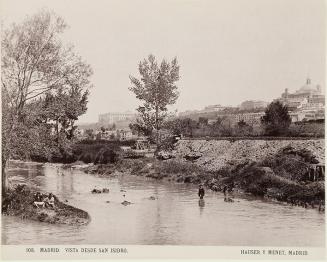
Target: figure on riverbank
point(49, 201)
point(225, 190)
point(201, 192)
point(228, 199)
point(38, 202)
point(321, 207)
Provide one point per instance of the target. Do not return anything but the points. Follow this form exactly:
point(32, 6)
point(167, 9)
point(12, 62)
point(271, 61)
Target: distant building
point(212, 108)
point(252, 104)
point(114, 117)
point(304, 97)
point(207, 109)
point(249, 118)
point(119, 134)
point(307, 115)
point(307, 103)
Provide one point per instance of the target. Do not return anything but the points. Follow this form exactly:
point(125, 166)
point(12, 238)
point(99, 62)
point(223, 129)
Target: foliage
point(222, 127)
point(188, 126)
point(243, 129)
point(276, 119)
point(157, 90)
point(177, 167)
point(34, 60)
point(63, 108)
point(97, 152)
point(89, 133)
point(203, 121)
point(140, 128)
point(167, 144)
point(185, 126)
point(175, 126)
point(307, 129)
point(44, 84)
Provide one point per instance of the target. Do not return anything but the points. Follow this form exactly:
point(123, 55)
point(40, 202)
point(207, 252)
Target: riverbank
point(19, 202)
point(286, 171)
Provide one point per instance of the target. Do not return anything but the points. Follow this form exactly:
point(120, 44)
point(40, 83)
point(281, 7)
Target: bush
point(307, 129)
point(167, 144)
point(176, 167)
point(97, 152)
point(106, 156)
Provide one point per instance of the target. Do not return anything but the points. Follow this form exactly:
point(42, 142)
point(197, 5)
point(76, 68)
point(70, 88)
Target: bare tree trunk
point(157, 126)
point(3, 177)
point(57, 131)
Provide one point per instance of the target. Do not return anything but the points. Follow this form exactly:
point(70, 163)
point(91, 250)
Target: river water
point(175, 217)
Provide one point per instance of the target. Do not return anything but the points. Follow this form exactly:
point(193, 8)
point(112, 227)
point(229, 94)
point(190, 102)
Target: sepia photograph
point(163, 129)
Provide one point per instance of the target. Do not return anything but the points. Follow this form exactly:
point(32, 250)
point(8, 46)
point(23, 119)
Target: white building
point(307, 103)
point(213, 108)
point(113, 117)
point(252, 104)
point(307, 95)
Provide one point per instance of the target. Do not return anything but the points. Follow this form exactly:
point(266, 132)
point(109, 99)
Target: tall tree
point(63, 107)
point(34, 62)
point(157, 89)
point(276, 120)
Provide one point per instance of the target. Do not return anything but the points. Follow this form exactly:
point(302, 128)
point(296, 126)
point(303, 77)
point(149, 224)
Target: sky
point(229, 51)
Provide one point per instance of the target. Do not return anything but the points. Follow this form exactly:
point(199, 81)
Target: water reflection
point(175, 216)
point(201, 205)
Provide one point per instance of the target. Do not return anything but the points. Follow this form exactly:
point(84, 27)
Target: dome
point(307, 88)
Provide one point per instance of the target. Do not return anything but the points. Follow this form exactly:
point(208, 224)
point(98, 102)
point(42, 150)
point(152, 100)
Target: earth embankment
point(215, 154)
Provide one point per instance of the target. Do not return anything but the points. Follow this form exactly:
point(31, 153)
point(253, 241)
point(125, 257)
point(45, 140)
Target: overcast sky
point(229, 50)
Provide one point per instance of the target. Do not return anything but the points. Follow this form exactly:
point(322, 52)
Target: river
point(175, 217)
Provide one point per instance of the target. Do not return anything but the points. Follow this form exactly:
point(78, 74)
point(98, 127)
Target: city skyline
point(273, 46)
point(246, 105)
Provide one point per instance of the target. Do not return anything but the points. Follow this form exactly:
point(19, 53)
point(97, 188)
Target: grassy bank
point(19, 202)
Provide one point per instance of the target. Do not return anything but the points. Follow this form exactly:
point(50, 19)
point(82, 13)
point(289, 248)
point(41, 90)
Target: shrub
point(106, 156)
point(175, 167)
point(97, 152)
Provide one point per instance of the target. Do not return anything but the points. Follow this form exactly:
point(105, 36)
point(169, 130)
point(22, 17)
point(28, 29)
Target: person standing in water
point(201, 192)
